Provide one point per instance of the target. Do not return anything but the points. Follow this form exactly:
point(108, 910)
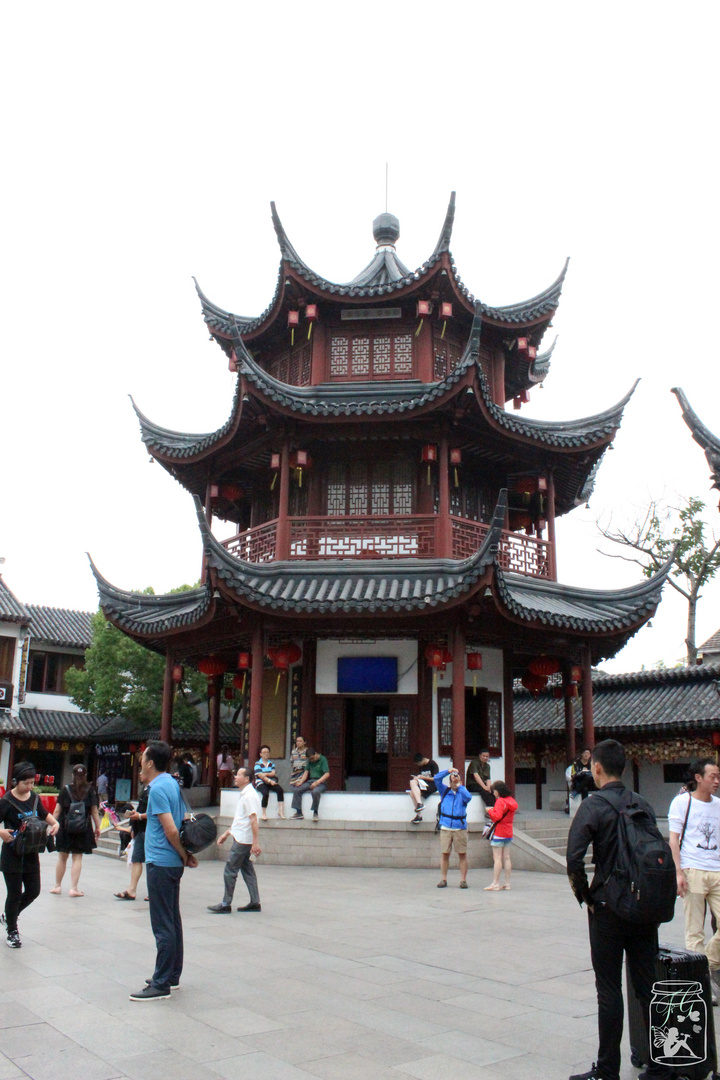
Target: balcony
point(414, 536)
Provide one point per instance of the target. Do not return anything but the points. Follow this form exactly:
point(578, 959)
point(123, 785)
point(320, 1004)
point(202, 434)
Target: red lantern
point(282, 656)
point(229, 693)
point(239, 682)
point(455, 460)
point(275, 466)
point(245, 660)
point(299, 460)
point(311, 314)
point(575, 674)
point(544, 665)
point(178, 673)
point(521, 345)
point(211, 665)
point(531, 353)
point(716, 738)
point(132, 748)
point(424, 308)
point(428, 456)
point(233, 492)
point(517, 403)
point(534, 683)
point(293, 321)
point(213, 491)
point(474, 663)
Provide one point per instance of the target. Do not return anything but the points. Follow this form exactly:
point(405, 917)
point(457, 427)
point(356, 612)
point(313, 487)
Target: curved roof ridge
point(683, 673)
point(575, 608)
point(186, 444)
point(549, 296)
point(287, 251)
point(540, 366)
point(383, 268)
point(445, 236)
point(702, 435)
point(151, 613)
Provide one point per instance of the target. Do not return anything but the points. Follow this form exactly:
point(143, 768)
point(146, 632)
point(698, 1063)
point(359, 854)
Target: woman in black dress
point(21, 872)
point(69, 840)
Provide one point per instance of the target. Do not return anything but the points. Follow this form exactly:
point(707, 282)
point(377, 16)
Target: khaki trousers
point(703, 885)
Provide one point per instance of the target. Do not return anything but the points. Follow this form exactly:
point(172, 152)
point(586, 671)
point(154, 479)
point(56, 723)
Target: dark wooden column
point(214, 740)
point(458, 701)
point(256, 693)
point(508, 720)
point(551, 523)
point(587, 700)
point(570, 751)
point(282, 536)
point(307, 704)
point(498, 388)
point(538, 776)
point(168, 699)
point(444, 531)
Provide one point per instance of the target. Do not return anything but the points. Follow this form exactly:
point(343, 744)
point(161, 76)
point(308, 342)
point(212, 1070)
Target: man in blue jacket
point(454, 799)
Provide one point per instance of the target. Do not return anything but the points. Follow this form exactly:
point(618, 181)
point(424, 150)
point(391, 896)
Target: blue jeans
point(316, 793)
point(163, 883)
point(238, 862)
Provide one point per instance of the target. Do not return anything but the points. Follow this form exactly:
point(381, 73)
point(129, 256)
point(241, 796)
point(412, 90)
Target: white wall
point(328, 653)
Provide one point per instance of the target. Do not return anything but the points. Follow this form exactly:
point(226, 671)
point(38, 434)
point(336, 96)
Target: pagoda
point(392, 568)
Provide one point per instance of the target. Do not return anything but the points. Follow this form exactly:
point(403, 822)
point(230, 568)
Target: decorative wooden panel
point(339, 355)
point(402, 741)
point(371, 355)
point(445, 715)
point(331, 731)
point(494, 723)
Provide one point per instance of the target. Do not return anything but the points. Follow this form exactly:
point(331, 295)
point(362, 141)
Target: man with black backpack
point(632, 891)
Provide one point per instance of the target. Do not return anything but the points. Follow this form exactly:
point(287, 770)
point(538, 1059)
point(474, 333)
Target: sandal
point(463, 884)
point(492, 888)
point(124, 896)
point(442, 885)
point(504, 886)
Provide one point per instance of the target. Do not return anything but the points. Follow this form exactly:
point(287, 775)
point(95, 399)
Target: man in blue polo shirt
point(165, 860)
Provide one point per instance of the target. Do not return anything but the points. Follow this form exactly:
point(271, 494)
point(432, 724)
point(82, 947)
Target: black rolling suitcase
point(682, 1031)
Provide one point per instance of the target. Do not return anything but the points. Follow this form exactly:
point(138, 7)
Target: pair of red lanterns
point(438, 657)
point(293, 321)
point(282, 657)
point(429, 456)
point(299, 460)
point(424, 308)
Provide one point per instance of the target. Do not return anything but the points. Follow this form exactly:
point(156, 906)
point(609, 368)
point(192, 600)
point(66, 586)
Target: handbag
point(197, 831)
point(489, 830)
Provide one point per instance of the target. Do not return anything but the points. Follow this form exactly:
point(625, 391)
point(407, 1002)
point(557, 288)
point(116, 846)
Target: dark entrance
point(368, 741)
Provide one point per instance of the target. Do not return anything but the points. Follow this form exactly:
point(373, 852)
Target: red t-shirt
point(506, 807)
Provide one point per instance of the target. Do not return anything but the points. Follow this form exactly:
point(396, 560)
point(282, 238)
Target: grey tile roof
point(123, 729)
point(57, 724)
point(146, 614)
point(712, 644)
point(702, 435)
point(659, 701)
point(362, 587)
point(60, 626)
point(11, 610)
point(582, 610)
point(538, 307)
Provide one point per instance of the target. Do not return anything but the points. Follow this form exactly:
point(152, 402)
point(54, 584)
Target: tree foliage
point(122, 678)
point(676, 532)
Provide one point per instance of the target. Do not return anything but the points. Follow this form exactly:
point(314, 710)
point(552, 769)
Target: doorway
point(368, 741)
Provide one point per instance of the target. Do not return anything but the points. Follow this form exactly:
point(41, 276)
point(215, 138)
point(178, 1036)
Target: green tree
point(122, 678)
point(678, 532)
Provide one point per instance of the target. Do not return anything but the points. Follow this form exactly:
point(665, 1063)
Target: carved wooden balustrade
point(412, 536)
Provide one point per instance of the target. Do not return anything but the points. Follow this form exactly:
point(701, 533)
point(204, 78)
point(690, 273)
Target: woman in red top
point(503, 812)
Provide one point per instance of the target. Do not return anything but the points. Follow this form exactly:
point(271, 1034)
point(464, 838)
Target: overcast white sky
point(144, 142)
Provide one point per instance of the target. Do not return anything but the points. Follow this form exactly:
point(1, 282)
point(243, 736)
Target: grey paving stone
point(68, 1064)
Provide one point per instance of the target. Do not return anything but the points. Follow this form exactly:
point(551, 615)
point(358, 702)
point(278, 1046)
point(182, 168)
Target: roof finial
point(386, 230)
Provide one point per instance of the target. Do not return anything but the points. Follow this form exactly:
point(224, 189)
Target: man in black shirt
point(596, 823)
point(422, 784)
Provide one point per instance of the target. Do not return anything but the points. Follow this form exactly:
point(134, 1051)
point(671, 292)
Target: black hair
point(23, 770)
point(610, 756)
point(80, 785)
point(418, 758)
point(311, 750)
point(697, 768)
point(502, 789)
point(264, 747)
point(483, 751)
point(159, 753)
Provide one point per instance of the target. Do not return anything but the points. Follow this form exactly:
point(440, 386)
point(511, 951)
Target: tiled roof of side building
point(702, 435)
point(712, 644)
point(60, 626)
point(58, 724)
point(660, 701)
point(121, 728)
point(11, 610)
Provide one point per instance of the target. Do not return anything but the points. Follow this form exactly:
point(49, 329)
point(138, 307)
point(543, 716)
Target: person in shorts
point(138, 824)
point(454, 799)
point(422, 784)
point(503, 812)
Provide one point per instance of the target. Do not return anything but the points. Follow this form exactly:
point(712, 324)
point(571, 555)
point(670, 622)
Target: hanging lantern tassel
point(293, 321)
point(434, 680)
point(272, 485)
point(277, 682)
point(457, 482)
point(455, 460)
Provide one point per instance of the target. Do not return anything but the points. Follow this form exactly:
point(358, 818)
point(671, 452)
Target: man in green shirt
point(478, 777)
point(316, 783)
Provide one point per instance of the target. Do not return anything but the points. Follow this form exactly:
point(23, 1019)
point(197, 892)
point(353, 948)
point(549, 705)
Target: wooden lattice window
point(382, 726)
point(332, 720)
point(402, 716)
point(293, 367)
point(447, 355)
point(470, 501)
point(362, 489)
point(383, 354)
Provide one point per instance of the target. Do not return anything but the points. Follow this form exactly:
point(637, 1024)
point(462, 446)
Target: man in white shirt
point(244, 831)
point(694, 823)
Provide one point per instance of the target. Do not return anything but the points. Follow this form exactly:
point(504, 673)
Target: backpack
point(76, 816)
point(642, 886)
point(31, 837)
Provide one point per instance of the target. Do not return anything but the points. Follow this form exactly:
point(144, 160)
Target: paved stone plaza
point(347, 973)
